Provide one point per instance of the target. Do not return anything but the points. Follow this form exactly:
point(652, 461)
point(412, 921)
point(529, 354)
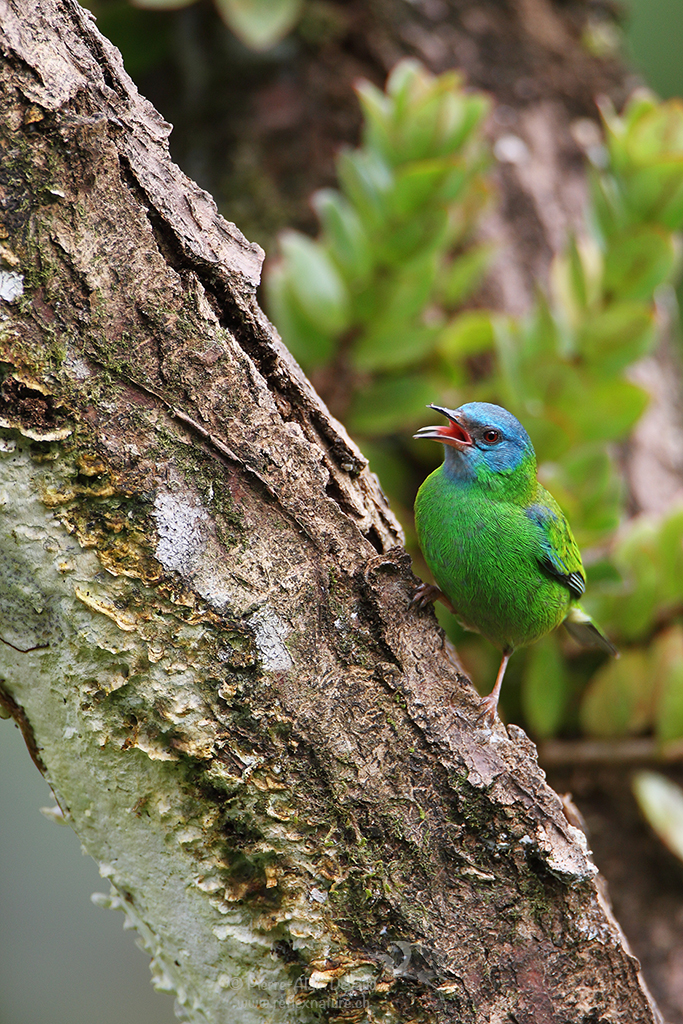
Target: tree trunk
point(206, 636)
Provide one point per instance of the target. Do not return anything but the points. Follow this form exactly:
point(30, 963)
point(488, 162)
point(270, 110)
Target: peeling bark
point(206, 632)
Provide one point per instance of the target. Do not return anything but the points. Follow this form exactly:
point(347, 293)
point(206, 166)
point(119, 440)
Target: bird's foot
point(426, 594)
point(488, 709)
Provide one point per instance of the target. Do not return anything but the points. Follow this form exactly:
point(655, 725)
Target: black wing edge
point(573, 581)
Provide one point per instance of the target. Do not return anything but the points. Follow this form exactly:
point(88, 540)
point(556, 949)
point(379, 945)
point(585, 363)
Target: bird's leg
point(426, 594)
point(489, 705)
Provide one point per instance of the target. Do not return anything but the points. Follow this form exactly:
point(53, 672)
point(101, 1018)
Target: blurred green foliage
point(373, 309)
point(259, 24)
point(372, 301)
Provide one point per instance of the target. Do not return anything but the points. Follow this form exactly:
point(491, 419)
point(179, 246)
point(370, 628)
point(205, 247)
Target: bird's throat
point(514, 483)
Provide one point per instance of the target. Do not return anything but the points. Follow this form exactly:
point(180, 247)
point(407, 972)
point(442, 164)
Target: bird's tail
point(582, 628)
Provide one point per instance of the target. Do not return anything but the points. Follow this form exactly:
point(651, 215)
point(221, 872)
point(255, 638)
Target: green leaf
point(655, 133)
point(576, 280)
point(377, 110)
point(600, 410)
point(395, 336)
point(508, 338)
point(607, 211)
point(461, 115)
point(670, 556)
point(416, 184)
point(656, 193)
point(619, 697)
point(545, 687)
point(413, 238)
point(260, 24)
point(345, 236)
point(614, 137)
point(637, 559)
point(307, 343)
point(540, 338)
point(467, 334)
point(577, 275)
point(441, 118)
point(465, 274)
point(549, 438)
point(393, 404)
point(416, 135)
point(637, 262)
point(433, 116)
point(458, 177)
point(661, 801)
point(316, 282)
point(392, 343)
point(405, 77)
point(667, 669)
point(639, 105)
point(617, 336)
point(366, 179)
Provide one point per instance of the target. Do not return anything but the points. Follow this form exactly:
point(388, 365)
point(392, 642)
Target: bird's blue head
point(483, 442)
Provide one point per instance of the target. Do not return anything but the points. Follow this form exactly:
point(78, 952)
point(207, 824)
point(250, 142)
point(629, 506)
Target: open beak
point(453, 434)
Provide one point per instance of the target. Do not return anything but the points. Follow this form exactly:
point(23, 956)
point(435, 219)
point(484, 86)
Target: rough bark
point(206, 632)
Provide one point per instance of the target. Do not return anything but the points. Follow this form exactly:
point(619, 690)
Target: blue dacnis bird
point(497, 543)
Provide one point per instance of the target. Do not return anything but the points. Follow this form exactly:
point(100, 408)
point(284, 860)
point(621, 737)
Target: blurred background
point(262, 102)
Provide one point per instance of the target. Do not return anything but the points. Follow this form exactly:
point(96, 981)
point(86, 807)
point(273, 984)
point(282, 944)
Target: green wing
point(559, 554)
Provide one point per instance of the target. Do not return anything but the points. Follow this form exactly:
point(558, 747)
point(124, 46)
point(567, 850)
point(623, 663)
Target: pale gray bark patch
point(11, 285)
point(182, 528)
point(270, 633)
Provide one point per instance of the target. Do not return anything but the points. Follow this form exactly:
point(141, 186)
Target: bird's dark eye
point(491, 436)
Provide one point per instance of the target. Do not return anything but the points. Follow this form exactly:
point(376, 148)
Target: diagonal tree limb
point(206, 622)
